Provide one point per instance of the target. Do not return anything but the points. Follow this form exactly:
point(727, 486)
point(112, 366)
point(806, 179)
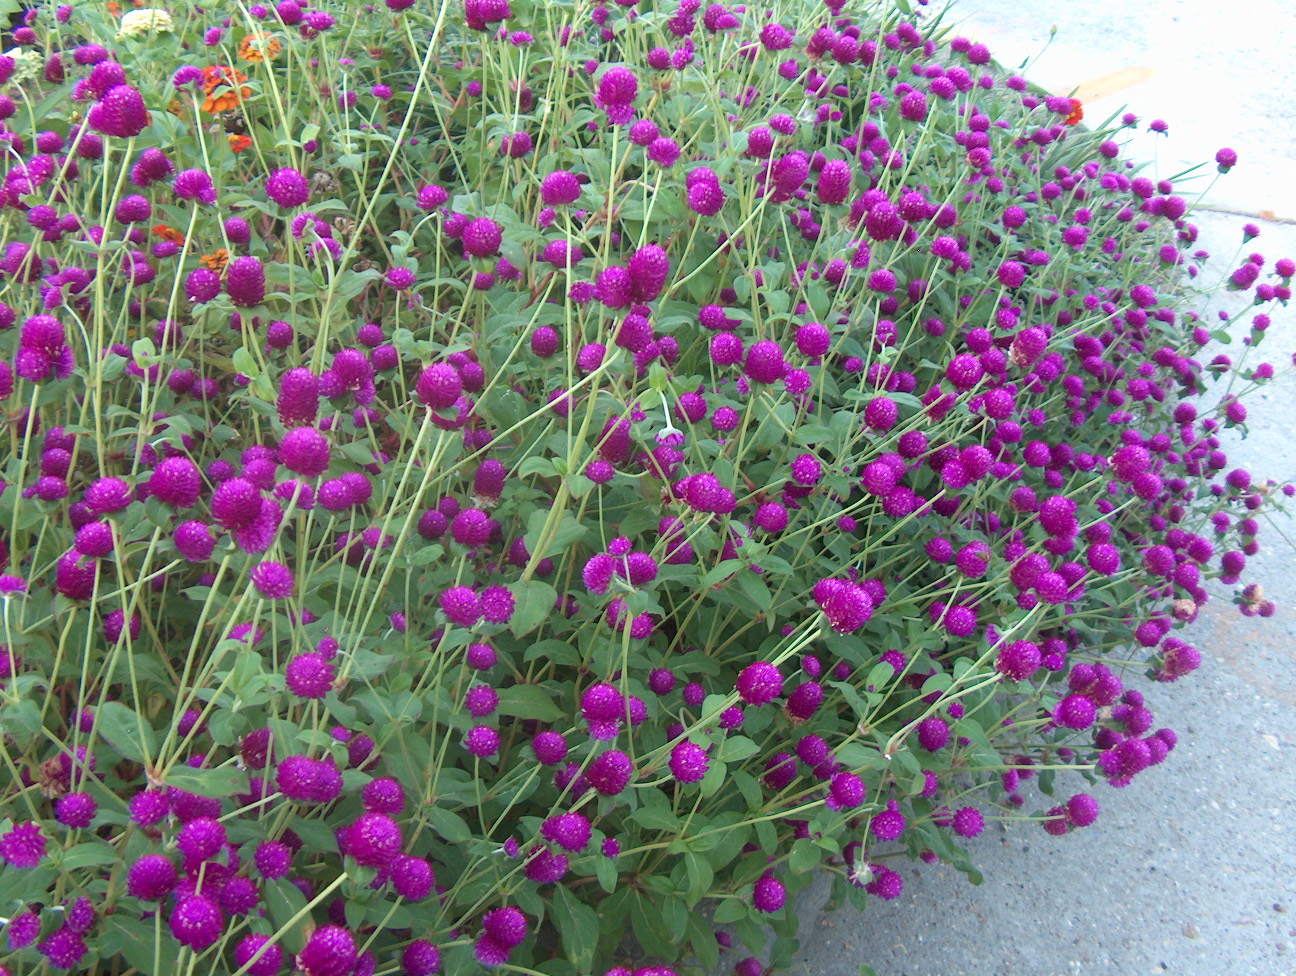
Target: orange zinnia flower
point(1077, 112)
point(114, 8)
point(215, 261)
point(239, 143)
point(168, 234)
point(259, 47)
point(224, 89)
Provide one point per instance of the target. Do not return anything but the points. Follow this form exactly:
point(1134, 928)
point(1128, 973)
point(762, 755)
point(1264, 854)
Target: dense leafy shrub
point(482, 479)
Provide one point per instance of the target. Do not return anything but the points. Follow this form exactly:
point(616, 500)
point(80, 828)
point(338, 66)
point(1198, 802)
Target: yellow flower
point(146, 21)
point(259, 47)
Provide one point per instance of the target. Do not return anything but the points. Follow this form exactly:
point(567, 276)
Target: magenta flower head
point(119, 113)
point(559, 188)
point(24, 846)
point(202, 285)
point(603, 707)
point(151, 878)
point(648, 269)
point(374, 839)
point(272, 580)
point(330, 951)
point(236, 503)
point(269, 962)
point(461, 606)
point(194, 541)
point(769, 894)
point(245, 281)
point(309, 780)
point(760, 683)
point(108, 495)
point(176, 481)
point(439, 386)
point(847, 606)
point(308, 675)
point(617, 90)
point(299, 393)
point(482, 238)
point(305, 451)
point(64, 949)
point(482, 741)
point(507, 926)
point(287, 187)
point(688, 762)
point(765, 363)
point(195, 184)
point(197, 922)
point(610, 772)
point(835, 180)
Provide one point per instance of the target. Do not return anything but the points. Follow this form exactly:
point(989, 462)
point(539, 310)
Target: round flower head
point(759, 683)
point(268, 955)
point(108, 495)
point(420, 957)
point(64, 949)
point(288, 187)
point(603, 707)
point(176, 481)
point(688, 762)
point(194, 541)
point(196, 922)
point(482, 741)
point(236, 503)
point(769, 894)
point(308, 780)
point(374, 839)
point(330, 951)
point(570, 831)
point(195, 184)
point(550, 748)
point(412, 877)
point(968, 822)
point(507, 926)
point(610, 772)
point(151, 878)
point(482, 238)
point(309, 675)
point(76, 810)
point(559, 188)
point(272, 580)
point(245, 281)
point(933, 733)
point(306, 451)
point(439, 386)
point(120, 113)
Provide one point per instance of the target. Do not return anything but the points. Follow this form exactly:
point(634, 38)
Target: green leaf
point(650, 927)
point(657, 818)
point(133, 939)
point(736, 748)
point(730, 910)
point(534, 602)
point(529, 701)
point(89, 855)
point(805, 856)
point(700, 878)
point(568, 532)
point(284, 900)
point(579, 927)
point(448, 825)
point(218, 783)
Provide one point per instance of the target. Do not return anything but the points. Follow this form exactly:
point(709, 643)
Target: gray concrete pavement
point(1191, 870)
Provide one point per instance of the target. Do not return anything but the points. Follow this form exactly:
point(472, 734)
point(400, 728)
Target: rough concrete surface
point(1191, 870)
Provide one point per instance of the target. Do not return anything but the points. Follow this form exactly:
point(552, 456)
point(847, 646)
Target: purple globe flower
point(688, 762)
point(120, 112)
point(330, 951)
point(195, 184)
point(933, 733)
point(307, 780)
point(420, 957)
point(268, 955)
point(245, 281)
point(610, 772)
point(759, 683)
point(176, 481)
point(769, 894)
point(288, 187)
point(305, 451)
point(482, 238)
point(197, 922)
point(272, 580)
point(570, 831)
point(309, 675)
point(151, 878)
point(64, 949)
point(968, 822)
point(482, 741)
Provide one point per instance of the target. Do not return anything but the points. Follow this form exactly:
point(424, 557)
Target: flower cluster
point(462, 508)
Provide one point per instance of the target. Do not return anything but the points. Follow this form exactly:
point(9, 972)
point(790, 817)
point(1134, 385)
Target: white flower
point(145, 21)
